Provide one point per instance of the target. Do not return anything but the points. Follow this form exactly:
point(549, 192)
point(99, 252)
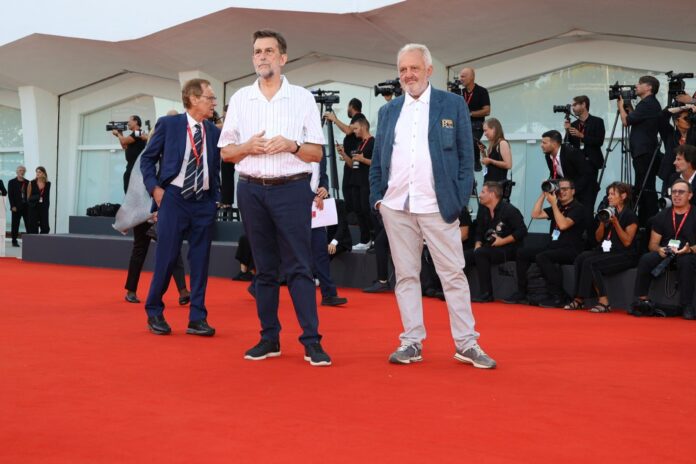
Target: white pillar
point(439, 77)
point(217, 85)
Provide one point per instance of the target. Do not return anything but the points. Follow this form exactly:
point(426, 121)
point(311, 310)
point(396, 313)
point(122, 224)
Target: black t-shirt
point(350, 143)
point(476, 100)
point(663, 225)
point(506, 220)
point(360, 176)
point(571, 237)
point(465, 221)
point(134, 149)
point(626, 217)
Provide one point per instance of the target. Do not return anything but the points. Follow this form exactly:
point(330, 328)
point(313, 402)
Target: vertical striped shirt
point(291, 113)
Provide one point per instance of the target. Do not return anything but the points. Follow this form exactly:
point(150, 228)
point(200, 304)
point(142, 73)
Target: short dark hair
point(495, 187)
point(192, 88)
point(583, 99)
point(355, 104)
point(652, 82)
point(621, 187)
point(137, 120)
point(565, 179)
point(360, 119)
point(688, 152)
point(554, 135)
point(682, 181)
point(263, 33)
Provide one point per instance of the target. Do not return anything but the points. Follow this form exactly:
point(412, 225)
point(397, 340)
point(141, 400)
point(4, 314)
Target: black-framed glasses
point(209, 98)
point(679, 192)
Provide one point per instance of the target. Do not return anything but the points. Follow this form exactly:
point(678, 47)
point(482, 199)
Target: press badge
point(674, 244)
point(40, 200)
point(606, 246)
point(555, 234)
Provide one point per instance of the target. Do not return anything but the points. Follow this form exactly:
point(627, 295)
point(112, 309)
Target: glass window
point(10, 127)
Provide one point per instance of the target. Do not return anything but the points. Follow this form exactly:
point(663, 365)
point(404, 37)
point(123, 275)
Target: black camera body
point(626, 92)
point(489, 237)
point(606, 214)
point(664, 202)
point(565, 109)
point(326, 97)
point(666, 261)
point(390, 87)
point(676, 85)
point(117, 125)
point(455, 86)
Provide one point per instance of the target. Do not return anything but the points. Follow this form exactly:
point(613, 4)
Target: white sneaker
point(362, 246)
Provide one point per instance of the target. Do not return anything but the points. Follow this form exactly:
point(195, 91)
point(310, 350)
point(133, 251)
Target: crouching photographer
point(500, 229)
point(671, 243)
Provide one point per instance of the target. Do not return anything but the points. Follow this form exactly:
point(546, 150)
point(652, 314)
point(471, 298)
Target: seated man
point(673, 235)
point(567, 225)
point(499, 230)
point(685, 166)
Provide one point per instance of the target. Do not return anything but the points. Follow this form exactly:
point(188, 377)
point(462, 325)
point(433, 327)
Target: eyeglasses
point(212, 99)
point(679, 192)
point(564, 189)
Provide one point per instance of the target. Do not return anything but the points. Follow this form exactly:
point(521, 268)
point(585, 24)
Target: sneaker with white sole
point(263, 349)
point(316, 355)
point(406, 354)
point(362, 246)
point(476, 356)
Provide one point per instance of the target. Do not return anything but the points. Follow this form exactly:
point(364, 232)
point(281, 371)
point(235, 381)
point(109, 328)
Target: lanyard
point(360, 150)
point(470, 96)
point(681, 224)
point(193, 145)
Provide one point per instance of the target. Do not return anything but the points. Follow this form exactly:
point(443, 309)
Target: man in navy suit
point(185, 192)
point(420, 180)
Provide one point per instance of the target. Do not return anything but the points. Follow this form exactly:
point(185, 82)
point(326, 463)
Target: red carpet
point(82, 381)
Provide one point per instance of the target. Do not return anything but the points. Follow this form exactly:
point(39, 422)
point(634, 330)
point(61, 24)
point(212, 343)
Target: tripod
point(331, 155)
point(626, 173)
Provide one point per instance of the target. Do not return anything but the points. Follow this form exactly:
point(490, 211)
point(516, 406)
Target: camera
point(562, 109)
point(626, 92)
point(390, 87)
point(662, 266)
point(455, 86)
point(606, 214)
point(117, 125)
point(676, 85)
point(664, 202)
point(549, 186)
point(326, 97)
point(489, 237)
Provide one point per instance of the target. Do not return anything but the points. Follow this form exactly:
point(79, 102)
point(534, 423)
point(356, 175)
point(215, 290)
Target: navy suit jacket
point(451, 151)
point(167, 146)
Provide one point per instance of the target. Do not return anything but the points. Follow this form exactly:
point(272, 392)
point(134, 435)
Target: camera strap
point(681, 224)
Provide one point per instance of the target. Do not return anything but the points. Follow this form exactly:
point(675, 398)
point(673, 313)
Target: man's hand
point(322, 192)
point(319, 201)
point(340, 150)
point(684, 250)
point(330, 116)
point(279, 144)
point(620, 103)
point(117, 133)
point(497, 241)
point(14, 209)
point(332, 249)
point(257, 144)
point(157, 195)
point(661, 251)
point(551, 198)
point(575, 133)
point(684, 98)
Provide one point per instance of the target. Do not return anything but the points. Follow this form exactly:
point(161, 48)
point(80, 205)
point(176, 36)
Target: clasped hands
point(259, 145)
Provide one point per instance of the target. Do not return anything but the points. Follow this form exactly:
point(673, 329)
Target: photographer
point(564, 161)
point(673, 235)
point(616, 233)
point(682, 132)
point(361, 159)
point(133, 143)
point(685, 165)
point(350, 143)
point(499, 231)
point(479, 104)
point(644, 121)
point(567, 218)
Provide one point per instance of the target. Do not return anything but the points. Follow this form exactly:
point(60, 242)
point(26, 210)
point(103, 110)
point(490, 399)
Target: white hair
point(414, 47)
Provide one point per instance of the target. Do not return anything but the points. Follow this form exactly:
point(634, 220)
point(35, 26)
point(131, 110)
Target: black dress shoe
point(184, 300)
point(689, 313)
point(333, 301)
point(15, 244)
point(252, 289)
point(483, 298)
point(131, 298)
point(158, 325)
point(200, 328)
point(553, 302)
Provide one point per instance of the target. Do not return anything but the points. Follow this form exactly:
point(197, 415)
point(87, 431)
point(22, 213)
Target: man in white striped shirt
point(272, 132)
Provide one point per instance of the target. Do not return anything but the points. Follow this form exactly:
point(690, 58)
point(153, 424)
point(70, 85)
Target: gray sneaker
point(476, 356)
point(406, 354)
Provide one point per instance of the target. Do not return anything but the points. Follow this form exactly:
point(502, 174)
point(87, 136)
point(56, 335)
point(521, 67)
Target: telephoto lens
point(606, 214)
point(549, 186)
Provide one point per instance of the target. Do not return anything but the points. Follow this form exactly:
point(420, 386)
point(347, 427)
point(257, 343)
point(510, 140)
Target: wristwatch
point(298, 147)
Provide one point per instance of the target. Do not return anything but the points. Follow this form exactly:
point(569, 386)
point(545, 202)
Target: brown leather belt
point(273, 180)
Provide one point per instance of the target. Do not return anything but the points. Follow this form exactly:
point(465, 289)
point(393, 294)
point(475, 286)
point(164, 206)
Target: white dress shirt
point(411, 171)
point(179, 180)
point(292, 113)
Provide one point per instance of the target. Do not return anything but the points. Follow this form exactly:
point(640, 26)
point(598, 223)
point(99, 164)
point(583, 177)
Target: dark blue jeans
point(277, 220)
point(321, 262)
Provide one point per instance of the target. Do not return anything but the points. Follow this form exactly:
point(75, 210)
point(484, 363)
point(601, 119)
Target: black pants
point(22, 213)
point(485, 257)
point(345, 189)
point(243, 254)
point(477, 132)
point(591, 267)
point(686, 267)
point(360, 199)
point(141, 243)
point(647, 206)
point(382, 250)
point(38, 219)
point(587, 198)
point(227, 183)
point(549, 261)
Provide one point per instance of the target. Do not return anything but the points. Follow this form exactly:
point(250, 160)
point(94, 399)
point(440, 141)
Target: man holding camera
point(644, 121)
point(479, 104)
point(672, 237)
point(567, 218)
point(499, 231)
point(564, 161)
point(133, 143)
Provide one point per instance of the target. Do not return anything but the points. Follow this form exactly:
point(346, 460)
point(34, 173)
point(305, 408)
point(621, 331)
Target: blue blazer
point(451, 151)
point(167, 146)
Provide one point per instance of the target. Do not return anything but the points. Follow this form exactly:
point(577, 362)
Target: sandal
point(575, 304)
point(600, 308)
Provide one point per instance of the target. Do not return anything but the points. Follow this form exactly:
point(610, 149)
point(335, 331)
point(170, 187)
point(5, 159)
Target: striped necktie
point(193, 180)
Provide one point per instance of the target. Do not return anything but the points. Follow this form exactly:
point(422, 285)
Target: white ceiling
point(456, 32)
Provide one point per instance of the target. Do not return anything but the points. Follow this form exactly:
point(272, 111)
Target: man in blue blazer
point(185, 192)
point(420, 180)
